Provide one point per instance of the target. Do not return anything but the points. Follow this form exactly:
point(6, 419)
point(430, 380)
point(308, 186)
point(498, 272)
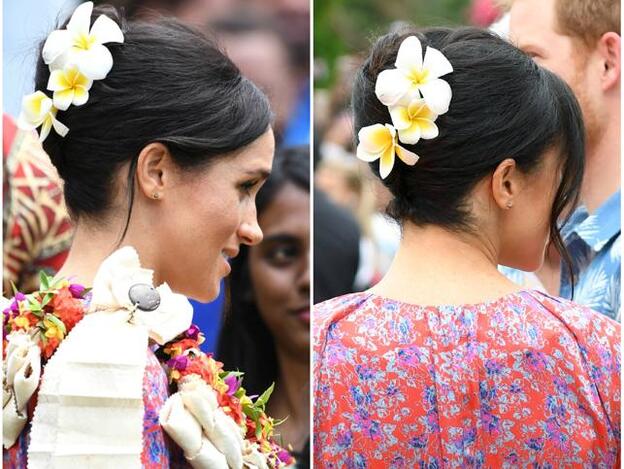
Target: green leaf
point(33, 305)
point(57, 322)
point(264, 398)
point(240, 392)
point(45, 280)
point(279, 422)
point(46, 299)
point(252, 412)
point(14, 288)
point(225, 374)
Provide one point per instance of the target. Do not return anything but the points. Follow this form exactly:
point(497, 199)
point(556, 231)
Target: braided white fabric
point(90, 406)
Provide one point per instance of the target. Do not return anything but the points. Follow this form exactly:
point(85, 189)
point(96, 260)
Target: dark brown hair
point(170, 84)
point(503, 106)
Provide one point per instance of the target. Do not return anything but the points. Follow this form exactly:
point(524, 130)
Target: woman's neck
point(92, 245)
point(89, 248)
point(291, 399)
point(435, 266)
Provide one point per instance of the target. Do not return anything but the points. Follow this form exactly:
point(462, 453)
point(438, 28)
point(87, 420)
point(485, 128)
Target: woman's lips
point(304, 315)
point(228, 268)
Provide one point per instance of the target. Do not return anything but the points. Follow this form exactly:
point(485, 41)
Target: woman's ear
point(507, 182)
point(153, 168)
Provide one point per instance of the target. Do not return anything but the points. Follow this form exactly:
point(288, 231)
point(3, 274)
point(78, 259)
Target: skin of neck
point(94, 241)
point(291, 398)
point(437, 266)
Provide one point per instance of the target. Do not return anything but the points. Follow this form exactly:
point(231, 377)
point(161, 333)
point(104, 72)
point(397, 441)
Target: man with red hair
point(579, 40)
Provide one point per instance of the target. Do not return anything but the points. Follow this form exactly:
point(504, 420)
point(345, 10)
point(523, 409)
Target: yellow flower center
point(84, 41)
point(419, 77)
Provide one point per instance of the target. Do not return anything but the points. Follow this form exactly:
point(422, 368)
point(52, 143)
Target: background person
point(266, 331)
point(579, 40)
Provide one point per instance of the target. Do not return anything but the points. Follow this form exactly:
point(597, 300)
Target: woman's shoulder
point(335, 309)
point(586, 324)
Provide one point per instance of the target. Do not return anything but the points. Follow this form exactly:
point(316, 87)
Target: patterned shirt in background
point(36, 227)
point(594, 244)
point(524, 380)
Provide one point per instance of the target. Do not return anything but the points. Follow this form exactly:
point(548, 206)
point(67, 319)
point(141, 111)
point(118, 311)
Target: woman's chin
point(205, 295)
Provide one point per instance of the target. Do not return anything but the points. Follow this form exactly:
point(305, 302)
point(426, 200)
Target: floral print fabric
point(527, 380)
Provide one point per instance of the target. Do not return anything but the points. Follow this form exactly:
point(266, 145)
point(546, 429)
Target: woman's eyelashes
point(249, 187)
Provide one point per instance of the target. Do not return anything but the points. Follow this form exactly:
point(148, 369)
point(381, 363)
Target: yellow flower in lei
point(414, 75)
point(379, 142)
point(174, 350)
point(414, 120)
point(53, 330)
point(82, 45)
point(70, 86)
point(22, 322)
point(39, 110)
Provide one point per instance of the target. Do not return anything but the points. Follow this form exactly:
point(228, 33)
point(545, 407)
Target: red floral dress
point(527, 380)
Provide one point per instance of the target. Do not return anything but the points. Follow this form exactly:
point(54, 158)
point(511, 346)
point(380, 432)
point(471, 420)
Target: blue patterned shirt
point(594, 244)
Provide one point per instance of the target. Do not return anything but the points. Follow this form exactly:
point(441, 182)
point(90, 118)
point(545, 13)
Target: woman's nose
point(250, 233)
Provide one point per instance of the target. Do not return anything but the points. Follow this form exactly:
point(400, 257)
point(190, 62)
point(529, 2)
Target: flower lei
point(415, 96)
point(47, 315)
point(183, 357)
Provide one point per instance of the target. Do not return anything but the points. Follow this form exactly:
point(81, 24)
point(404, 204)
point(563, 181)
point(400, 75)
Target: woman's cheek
point(272, 285)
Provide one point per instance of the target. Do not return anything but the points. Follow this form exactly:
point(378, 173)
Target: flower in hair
point(70, 86)
point(38, 110)
point(414, 75)
point(82, 44)
point(379, 142)
point(413, 120)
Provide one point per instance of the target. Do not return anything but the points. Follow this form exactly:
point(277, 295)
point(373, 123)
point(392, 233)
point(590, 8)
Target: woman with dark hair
point(162, 146)
point(266, 332)
point(445, 362)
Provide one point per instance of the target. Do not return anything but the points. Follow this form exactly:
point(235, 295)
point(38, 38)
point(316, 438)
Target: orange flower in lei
point(50, 347)
point(69, 309)
point(48, 315)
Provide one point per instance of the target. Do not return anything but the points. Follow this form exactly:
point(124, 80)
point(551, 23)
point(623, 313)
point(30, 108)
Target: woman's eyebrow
point(279, 237)
point(262, 173)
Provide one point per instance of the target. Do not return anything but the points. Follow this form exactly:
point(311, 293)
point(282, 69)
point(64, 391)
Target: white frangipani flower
point(413, 120)
point(82, 44)
point(38, 110)
point(380, 142)
point(414, 75)
point(69, 86)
